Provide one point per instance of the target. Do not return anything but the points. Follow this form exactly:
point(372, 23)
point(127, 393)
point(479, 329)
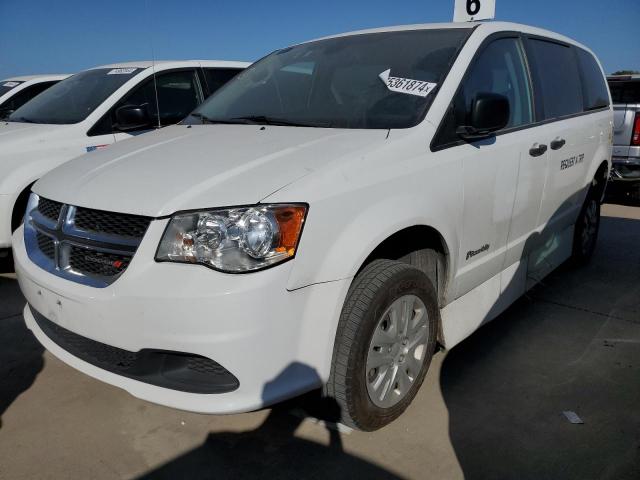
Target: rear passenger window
point(556, 79)
point(499, 69)
point(594, 86)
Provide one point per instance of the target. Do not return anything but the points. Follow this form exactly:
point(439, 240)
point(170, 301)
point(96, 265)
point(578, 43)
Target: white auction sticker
point(407, 85)
point(473, 10)
point(11, 84)
point(121, 71)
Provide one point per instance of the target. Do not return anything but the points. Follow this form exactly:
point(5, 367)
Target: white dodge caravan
point(327, 218)
point(90, 111)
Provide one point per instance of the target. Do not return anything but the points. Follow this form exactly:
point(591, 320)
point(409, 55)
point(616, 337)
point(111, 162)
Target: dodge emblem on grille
point(92, 247)
point(103, 261)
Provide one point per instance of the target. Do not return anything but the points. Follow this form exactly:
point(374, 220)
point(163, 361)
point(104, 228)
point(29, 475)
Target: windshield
point(625, 92)
point(7, 85)
point(374, 81)
point(73, 99)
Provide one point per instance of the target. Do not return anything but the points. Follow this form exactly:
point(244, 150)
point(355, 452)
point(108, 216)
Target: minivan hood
point(194, 167)
point(19, 131)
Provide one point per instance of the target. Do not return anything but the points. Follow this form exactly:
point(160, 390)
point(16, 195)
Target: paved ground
point(490, 408)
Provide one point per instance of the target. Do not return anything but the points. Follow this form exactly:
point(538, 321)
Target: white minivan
point(326, 219)
point(16, 91)
point(91, 110)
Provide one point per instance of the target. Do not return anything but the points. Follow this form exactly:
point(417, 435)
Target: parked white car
point(16, 91)
point(91, 110)
point(326, 219)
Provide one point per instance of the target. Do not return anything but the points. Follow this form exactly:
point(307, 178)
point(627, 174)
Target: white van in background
point(326, 219)
point(16, 91)
point(91, 110)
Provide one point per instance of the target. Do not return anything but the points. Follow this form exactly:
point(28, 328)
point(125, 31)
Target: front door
point(490, 167)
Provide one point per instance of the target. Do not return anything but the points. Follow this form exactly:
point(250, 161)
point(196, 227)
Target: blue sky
point(41, 36)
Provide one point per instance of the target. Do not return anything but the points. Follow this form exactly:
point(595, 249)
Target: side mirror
point(490, 112)
point(132, 117)
point(4, 114)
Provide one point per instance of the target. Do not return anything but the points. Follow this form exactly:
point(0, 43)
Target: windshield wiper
point(265, 120)
point(19, 119)
point(212, 121)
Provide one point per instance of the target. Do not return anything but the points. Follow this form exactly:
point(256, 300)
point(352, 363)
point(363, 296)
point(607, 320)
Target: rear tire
point(385, 341)
point(634, 194)
point(585, 236)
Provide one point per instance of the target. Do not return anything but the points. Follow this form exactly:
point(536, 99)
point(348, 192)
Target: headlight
point(234, 240)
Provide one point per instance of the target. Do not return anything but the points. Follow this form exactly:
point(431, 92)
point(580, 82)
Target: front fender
point(364, 209)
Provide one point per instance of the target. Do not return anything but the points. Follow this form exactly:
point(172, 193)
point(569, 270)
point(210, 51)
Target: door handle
point(538, 149)
point(558, 143)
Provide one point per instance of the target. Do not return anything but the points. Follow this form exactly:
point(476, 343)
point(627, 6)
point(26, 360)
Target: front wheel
point(385, 341)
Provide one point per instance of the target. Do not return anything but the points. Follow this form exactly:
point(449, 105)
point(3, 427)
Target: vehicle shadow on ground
point(21, 355)
point(571, 344)
point(273, 450)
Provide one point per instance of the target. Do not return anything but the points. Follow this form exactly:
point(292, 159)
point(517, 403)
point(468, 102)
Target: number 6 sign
point(470, 10)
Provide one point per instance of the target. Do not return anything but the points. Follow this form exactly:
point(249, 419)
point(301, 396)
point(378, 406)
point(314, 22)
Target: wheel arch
point(416, 238)
point(600, 179)
point(19, 205)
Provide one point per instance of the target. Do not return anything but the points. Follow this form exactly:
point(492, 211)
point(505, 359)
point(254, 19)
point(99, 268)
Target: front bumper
point(276, 343)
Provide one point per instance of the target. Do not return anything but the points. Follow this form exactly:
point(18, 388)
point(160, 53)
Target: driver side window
point(178, 94)
point(498, 69)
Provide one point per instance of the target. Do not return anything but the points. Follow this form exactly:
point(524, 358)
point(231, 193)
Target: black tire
point(6, 261)
point(585, 235)
point(375, 288)
point(634, 194)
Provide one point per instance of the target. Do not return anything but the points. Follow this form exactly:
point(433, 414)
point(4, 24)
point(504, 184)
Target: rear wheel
point(385, 341)
point(586, 230)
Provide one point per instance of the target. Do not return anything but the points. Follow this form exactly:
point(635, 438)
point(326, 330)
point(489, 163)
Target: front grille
point(92, 247)
point(180, 371)
point(46, 245)
point(50, 209)
point(111, 223)
point(95, 263)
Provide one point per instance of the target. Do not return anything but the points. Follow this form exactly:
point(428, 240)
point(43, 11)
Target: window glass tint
point(595, 90)
point(557, 78)
point(8, 85)
point(22, 97)
point(74, 98)
point(177, 96)
point(498, 69)
point(337, 82)
point(625, 91)
point(217, 77)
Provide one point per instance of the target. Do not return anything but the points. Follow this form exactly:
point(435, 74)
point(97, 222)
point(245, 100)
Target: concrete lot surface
point(490, 408)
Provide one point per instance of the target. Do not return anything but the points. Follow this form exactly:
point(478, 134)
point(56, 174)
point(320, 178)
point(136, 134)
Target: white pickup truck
point(91, 110)
point(326, 219)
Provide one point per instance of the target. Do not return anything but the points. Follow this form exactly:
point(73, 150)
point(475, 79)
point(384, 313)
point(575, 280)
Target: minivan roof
point(490, 27)
point(176, 64)
point(44, 77)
